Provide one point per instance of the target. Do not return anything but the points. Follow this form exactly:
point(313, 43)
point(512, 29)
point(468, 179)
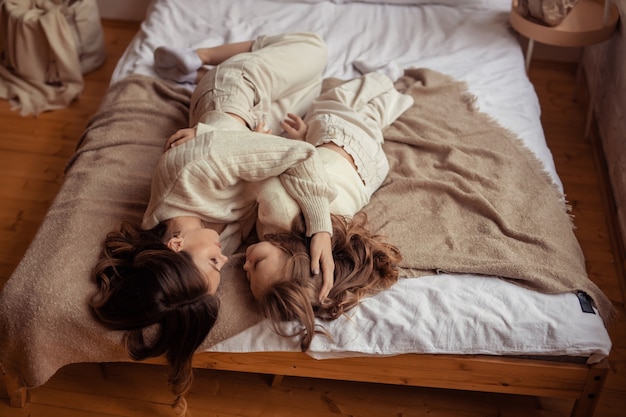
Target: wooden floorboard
point(33, 153)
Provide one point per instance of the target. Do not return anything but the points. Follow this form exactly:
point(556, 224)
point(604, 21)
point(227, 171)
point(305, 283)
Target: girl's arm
point(294, 127)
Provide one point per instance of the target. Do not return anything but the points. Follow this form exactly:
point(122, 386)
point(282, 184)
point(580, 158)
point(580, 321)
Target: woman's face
point(203, 244)
point(264, 262)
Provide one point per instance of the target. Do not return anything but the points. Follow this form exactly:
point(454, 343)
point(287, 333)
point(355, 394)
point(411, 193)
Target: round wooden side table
point(589, 22)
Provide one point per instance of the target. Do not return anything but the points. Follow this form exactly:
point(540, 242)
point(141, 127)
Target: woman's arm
point(224, 158)
point(321, 245)
point(322, 255)
point(181, 136)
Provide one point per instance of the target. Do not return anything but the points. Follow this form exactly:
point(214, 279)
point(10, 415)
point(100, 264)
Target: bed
point(493, 294)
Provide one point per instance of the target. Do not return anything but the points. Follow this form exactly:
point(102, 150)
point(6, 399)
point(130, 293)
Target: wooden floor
point(33, 152)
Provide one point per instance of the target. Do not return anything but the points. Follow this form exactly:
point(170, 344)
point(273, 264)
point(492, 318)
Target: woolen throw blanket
point(463, 195)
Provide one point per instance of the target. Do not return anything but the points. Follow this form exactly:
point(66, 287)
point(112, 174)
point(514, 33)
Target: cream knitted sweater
point(214, 176)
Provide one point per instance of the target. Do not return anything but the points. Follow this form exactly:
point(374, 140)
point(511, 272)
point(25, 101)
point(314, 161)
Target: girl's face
point(263, 265)
point(203, 244)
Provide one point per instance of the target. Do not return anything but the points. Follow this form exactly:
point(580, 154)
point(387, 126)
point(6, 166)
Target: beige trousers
point(353, 116)
point(281, 74)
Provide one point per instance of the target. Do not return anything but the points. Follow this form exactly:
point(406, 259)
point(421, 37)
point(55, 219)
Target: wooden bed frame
point(542, 378)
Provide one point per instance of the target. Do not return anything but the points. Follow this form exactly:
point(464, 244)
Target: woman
point(206, 186)
point(157, 282)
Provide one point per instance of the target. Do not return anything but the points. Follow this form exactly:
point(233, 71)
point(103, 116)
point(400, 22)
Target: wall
point(123, 9)
point(605, 68)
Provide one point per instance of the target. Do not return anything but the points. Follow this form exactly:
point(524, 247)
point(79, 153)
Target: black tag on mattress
point(585, 302)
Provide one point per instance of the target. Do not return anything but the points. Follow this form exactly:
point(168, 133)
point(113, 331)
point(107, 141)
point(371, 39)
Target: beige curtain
point(41, 66)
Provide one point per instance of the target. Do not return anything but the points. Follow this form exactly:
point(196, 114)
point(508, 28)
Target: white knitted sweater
point(215, 175)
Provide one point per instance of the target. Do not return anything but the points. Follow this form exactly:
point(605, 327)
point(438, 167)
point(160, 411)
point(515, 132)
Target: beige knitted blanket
point(463, 196)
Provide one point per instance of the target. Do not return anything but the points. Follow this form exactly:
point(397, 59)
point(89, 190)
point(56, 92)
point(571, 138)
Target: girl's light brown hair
point(364, 265)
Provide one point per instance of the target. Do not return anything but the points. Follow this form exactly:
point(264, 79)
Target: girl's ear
point(175, 243)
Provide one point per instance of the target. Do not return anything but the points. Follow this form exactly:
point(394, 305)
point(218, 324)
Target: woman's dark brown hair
point(364, 265)
point(158, 297)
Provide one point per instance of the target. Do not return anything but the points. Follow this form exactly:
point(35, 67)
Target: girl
point(345, 124)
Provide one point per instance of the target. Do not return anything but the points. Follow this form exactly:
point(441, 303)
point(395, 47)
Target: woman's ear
point(175, 243)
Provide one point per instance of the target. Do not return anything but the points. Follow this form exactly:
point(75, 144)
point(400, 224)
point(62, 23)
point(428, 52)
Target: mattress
point(445, 313)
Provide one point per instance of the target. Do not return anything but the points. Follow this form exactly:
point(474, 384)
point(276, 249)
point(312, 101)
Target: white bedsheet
point(473, 45)
point(437, 314)
point(450, 314)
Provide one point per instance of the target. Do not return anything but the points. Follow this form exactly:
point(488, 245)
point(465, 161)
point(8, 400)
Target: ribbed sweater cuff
point(316, 211)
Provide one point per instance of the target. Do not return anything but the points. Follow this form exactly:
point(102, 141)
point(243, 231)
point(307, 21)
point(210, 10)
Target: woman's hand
point(180, 137)
point(294, 126)
point(322, 254)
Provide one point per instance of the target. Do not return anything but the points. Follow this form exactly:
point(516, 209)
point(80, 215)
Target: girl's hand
point(260, 128)
point(180, 137)
point(294, 126)
point(322, 254)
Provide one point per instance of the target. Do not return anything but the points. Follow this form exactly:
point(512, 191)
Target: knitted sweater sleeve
point(214, 163)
